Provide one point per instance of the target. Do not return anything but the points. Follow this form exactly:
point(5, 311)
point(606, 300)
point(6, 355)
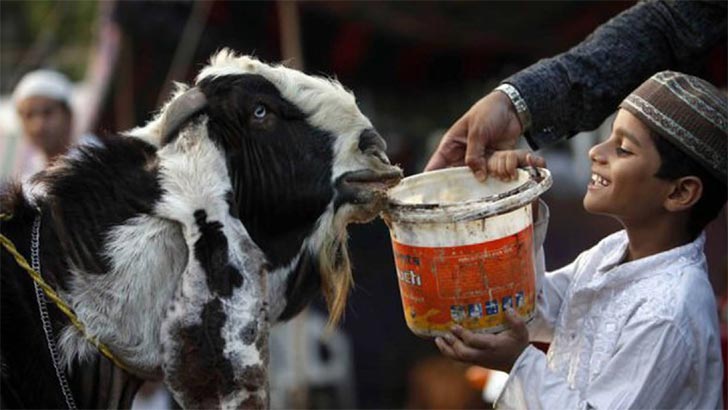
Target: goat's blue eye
point(260, 111)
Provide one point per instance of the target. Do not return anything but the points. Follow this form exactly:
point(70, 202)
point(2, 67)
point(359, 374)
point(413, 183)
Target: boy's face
point(623, 184)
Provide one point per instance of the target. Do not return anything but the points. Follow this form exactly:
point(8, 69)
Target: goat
point(178, 244)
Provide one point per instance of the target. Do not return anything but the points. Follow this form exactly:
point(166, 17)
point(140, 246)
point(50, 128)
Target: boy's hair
point(676, 164)
point(688, 120)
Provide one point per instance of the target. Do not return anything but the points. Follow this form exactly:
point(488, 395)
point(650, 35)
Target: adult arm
point(576, 90)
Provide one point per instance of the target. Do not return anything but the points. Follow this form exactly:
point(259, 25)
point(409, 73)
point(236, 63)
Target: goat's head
point(303, 163)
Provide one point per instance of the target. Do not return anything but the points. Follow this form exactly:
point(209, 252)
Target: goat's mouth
point(366, 190)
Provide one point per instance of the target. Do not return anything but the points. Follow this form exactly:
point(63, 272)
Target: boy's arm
point(551, 287)
point(649, 370)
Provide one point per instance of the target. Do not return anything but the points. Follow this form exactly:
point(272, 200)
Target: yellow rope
point(53, 296)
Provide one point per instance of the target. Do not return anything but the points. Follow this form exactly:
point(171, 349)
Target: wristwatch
point(524, 116)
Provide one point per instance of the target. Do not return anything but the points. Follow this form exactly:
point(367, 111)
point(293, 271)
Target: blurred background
point(415, 67)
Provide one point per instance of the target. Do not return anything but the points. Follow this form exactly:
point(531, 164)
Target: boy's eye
point(622, 151)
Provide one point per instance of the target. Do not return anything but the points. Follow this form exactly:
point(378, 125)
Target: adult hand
point(494, 351)
point(491, 124)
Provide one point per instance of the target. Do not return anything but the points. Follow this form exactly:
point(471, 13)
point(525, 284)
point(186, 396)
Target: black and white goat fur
point(179, 243)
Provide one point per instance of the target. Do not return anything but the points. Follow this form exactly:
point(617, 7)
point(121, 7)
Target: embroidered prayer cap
point(43, 83)
point(689, 112)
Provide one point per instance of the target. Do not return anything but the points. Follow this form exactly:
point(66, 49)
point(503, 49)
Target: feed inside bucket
point(464, 249)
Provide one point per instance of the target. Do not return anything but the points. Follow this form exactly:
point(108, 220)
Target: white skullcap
point(43, 83)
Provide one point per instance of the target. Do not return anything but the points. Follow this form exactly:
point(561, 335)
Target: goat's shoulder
point(18, 215)
point(13, 202)
point(97, 187)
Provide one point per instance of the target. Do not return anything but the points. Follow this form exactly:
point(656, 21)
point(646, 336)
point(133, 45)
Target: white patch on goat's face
point(192, 171)
point(327, 104)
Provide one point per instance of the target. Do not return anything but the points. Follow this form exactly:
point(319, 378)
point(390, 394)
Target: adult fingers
point(437, 161)
point(475, 154)
point(451, 150)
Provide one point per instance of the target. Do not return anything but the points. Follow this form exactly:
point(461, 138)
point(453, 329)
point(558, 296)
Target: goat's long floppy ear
point(184, 107)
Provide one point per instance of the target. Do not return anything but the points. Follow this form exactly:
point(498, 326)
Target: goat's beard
point(336, 275)
point(376, 202)
point(333, 257)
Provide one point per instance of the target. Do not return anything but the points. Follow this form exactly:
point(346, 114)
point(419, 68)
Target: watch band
point(524, 115)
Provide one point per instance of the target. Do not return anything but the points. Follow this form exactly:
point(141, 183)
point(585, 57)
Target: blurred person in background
point(42, 101)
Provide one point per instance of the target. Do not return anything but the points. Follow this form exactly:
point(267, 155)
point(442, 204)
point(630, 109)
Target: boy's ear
point(686, 191)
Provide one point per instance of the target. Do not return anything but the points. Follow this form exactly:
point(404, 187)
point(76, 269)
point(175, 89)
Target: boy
point(632, 321)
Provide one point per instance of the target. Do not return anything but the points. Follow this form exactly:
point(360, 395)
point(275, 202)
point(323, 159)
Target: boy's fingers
point(440, 341)
point(504, 164)
point(463, 352)
point(444, 347)
point(472, 339)
point(512, 164)
point(535, 161)
point(502, 167)
point(492, 163)
point(518, 326)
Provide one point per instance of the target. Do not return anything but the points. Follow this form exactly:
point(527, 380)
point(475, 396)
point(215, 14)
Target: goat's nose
point(371, 143)
point(370, 140)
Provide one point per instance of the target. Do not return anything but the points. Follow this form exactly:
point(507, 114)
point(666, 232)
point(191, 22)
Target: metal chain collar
point(42, 307)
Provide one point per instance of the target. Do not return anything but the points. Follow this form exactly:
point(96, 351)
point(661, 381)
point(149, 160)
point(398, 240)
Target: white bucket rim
point(539, 181)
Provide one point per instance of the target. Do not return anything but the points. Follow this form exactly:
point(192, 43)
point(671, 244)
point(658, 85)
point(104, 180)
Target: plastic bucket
point(463, 249)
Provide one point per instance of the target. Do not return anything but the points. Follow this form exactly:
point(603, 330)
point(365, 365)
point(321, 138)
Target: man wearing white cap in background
point(42, 101)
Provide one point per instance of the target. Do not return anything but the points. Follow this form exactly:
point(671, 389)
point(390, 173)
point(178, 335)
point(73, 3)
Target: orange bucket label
point(470, 285)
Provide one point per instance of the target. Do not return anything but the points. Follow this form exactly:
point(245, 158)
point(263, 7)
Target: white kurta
point(642, 334)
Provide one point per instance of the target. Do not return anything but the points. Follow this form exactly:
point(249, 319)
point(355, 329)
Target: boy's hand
point(503, 164)
point(494, 351)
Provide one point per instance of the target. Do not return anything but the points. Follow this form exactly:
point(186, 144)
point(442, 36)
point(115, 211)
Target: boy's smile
point(597, 182)
point(623, 182)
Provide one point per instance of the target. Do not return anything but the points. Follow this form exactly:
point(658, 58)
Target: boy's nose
point(596, 153)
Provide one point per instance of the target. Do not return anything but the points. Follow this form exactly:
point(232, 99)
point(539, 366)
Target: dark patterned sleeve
point(574, 91)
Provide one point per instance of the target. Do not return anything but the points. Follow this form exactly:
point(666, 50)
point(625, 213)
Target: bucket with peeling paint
point(463, 249)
